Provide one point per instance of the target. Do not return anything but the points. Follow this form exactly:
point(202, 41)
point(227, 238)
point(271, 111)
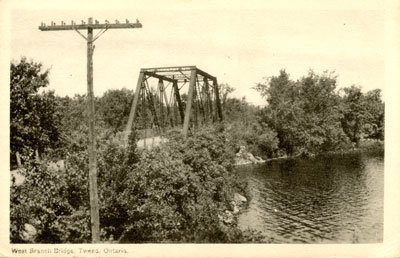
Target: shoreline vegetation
point(184, 190)
point(366, 146)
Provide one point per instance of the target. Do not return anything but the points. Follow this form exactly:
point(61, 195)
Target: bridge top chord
point(176, 73)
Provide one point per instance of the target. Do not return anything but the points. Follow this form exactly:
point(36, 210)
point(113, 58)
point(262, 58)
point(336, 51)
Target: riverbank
point(365, 146)
point(245, 158)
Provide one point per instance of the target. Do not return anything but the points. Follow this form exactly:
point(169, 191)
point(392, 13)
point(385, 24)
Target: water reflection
point(330, 199)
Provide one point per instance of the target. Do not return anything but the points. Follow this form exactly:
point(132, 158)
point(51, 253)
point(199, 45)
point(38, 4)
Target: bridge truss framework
point(162, 106)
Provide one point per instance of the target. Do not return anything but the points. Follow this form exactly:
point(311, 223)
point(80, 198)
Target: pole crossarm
point(93, 26)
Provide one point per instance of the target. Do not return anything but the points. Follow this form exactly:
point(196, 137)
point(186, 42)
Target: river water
point(329, 199)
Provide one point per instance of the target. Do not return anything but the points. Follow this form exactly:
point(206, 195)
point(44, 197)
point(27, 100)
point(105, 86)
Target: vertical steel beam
point(161, 98)
point(169, 115)
point(217, 100)
point(133, 108)
point(193, 76)
point(201, 102)
point(152, 105)
point(179, 101)
point(195, 104)
point(213, 104)
point(94, 200)
point(209, 101)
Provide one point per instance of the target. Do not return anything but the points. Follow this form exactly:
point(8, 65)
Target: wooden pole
point(94, 199)
point(90, 26)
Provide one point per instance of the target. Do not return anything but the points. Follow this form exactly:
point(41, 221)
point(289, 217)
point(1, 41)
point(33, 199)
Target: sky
point(241, 43)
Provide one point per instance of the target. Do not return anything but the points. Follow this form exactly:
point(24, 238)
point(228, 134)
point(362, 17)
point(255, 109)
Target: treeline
point(307, 116)
point(50, 124)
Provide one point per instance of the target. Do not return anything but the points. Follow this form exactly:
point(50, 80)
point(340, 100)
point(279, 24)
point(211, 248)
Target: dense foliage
point(245, 128)
point(363, 114)
point(179, 191)
point(50, 201)
point(114, 107)
point(34, 120)
point(172, 193)
point(310, 116)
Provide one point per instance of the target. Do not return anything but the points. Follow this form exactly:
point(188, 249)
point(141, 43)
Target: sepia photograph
point(189, 124)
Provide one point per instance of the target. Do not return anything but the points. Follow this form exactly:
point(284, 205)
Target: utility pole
point(90, 26)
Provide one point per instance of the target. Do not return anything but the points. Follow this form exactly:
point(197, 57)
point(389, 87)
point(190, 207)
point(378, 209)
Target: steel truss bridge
point(170, 97)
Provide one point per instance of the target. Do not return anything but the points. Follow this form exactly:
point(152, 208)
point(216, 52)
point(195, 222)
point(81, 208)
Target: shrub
point(172, 193)
point(179, 189)
point(259, 139)
point(43, 202)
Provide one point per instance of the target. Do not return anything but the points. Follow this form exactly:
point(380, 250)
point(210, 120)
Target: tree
point(224, 91)
point(363, 114)
point(114, 107)
point(375, 129)
point(304, 113)
point(34, 121)
point(322, 109)
point(74, 122)
point(239, 110)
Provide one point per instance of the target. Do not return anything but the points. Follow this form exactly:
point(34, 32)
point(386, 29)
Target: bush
point(259, 139)
point(179, 190)
point(42, 201)
point(35, 122)
point(173, 193)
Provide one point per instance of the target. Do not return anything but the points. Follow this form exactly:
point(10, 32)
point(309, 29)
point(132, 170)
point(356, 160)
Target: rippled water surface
point(330, 199)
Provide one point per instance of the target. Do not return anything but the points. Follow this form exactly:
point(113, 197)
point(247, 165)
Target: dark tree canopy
point(309, 115)
point(34, 120)
point(363, 114)
point(114, 107)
